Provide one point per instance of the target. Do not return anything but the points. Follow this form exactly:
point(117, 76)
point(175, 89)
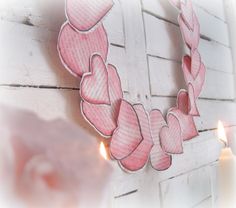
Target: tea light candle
point(227, 172)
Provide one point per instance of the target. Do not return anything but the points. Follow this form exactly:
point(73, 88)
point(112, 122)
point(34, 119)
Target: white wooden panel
point(29, 56)
point(162, 69)
point(206, 203)
point(214, 7)
point(113, 23)
point(162, 9)
point(164, 40)
point(50, 14)
point(186, 190)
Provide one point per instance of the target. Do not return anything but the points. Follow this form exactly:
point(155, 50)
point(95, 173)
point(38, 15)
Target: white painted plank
point(206, 203)
point(171, 72)
point(214, 7)
point(113, 23)
point(164, 40)
point(135, 48)
point(186, 190)
point(29, 56)
point(218, 30)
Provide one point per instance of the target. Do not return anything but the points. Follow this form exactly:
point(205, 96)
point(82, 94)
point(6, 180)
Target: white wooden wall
point(146, 47)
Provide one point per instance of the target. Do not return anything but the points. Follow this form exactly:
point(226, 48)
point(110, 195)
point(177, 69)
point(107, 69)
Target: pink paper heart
point(191, 37)
point(94, 85)
point(127, 135)
point(85, 14)
point(195, 63)
point(197, 82)
point(139, 157)
point(160, 160)
point(187, 13)
point(170, 136)
point(75, 48)
point(104, 117)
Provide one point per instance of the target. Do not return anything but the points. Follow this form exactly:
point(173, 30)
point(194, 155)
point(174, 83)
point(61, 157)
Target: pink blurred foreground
point(49, 164)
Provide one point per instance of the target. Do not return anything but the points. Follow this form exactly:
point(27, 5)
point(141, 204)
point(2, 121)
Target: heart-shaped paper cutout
point(85, 14)
point(127, 135)
point(170, 136)
point(104, 117)
point(94, 85)
point(198, 82)
point(75, 48)
point(160, 160)
point(139, 157)
point(187, 13)
point(190, 37)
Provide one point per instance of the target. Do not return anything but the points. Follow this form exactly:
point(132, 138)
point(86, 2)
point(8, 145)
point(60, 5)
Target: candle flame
point(103, 151)
point(221, 132)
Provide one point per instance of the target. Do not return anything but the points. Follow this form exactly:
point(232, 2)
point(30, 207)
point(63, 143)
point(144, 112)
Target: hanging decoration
point(136, 135)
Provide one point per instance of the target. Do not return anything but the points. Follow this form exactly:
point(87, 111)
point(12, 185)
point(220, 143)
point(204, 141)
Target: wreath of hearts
point(136, 135)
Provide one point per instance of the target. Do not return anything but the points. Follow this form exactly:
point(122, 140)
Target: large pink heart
point(139, 157)
point(199, 80)
point(192, 106)
point(85, 14)
point(94, 85)
point(160, 160)
point(170, 136)
point(104, 117)
point(191, 37)
point(75, 48)
point(187, 13)
point(127, 135)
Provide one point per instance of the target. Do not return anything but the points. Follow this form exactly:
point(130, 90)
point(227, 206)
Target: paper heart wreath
point(136, 135)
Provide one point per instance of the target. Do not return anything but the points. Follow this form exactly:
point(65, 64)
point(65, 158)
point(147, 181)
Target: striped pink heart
point(170, 136)
point(139, 157)
point(160, 160)
point(104, 117)
point(94, 85)
point(127, 135)
point(75, 48)
point(187, 13)
point(85, 14)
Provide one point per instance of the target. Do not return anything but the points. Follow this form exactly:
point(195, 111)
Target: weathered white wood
point(214, 7)
point(164, 40)
point(135, 48)
point(162, 69)
point(186, 190)
point(206, 203)
point(164, 10)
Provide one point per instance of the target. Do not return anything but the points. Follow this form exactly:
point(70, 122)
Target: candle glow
point(103, 151)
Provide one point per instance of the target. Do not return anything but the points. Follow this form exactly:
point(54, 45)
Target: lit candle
point(227, 172)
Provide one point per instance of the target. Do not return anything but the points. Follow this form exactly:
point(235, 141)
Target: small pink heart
point(127, 135)
point(170, 136)
point(139, 157)
point(187, 13)
point(104, 117)
point(195, 63)
point(94, 85)
point(160, 160)
point(75, 48)
point(191, 37)
point(197, 82)
point(85, 14)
